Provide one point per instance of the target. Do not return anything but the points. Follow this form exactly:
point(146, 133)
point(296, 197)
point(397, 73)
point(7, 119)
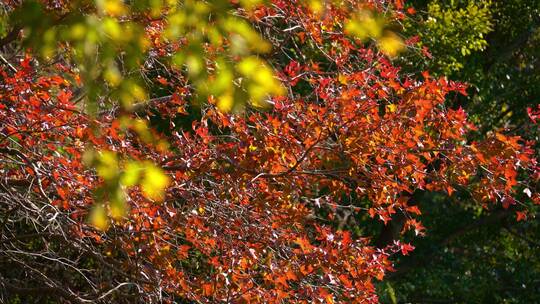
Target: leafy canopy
point(124, 145)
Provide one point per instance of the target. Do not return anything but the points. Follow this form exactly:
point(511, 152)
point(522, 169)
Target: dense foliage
point(473, 254)
point(235, 152)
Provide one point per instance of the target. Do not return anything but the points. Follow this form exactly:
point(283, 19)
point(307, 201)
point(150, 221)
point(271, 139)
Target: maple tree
point(273, 123)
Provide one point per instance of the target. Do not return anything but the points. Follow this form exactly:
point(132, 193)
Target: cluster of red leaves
point(220, 235)
point(534, 114)
point(45, 130)
point(240, 221)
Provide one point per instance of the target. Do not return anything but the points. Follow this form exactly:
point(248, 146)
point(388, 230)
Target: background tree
point(471, 254)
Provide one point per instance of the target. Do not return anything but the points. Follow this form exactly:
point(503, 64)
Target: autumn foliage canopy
point(227, 162)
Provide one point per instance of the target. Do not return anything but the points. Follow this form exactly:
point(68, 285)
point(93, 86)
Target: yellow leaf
point(329, 299)
point(391, 108)
point(250, 4)
point(391, 44)
point(141, 127)
point(131, 175)
point(224, 78)
point(78, 31)
point(112, 29)
point(112, 7)
point(249, 65)
point(107, 167)
point(225, 103)
point(249, 35)
point(112, 76)
point(194, 65)
point(262, 82)
point(364, 26)
point(98, 217)
point(117, 211)
point(138, 92)
point(342, 79)
point(117, 206)
point(316, 6)
point(155, 8)
point(154, 182)
point(131, 92)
